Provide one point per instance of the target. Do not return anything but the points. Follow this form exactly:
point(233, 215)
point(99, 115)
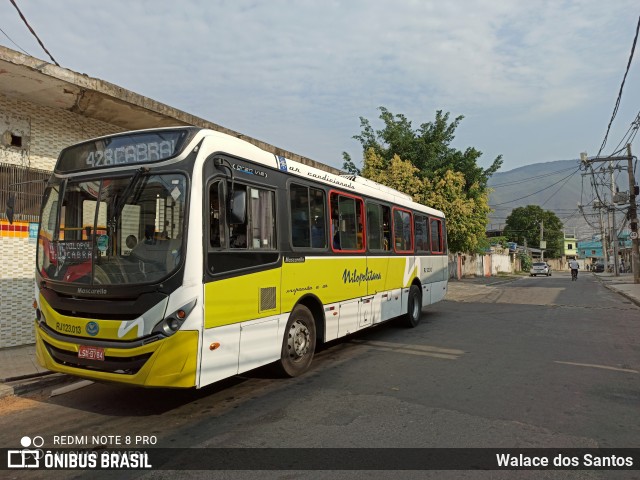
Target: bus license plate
point(91, 353)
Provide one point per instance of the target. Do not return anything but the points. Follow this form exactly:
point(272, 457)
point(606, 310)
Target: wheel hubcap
point(299, 340)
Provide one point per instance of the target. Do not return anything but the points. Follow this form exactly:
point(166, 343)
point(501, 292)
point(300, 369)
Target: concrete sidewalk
point(20, 372)
point(622, 284)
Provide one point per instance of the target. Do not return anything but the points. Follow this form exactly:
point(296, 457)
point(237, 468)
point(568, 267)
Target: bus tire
point(414, 307)
point(298, 343)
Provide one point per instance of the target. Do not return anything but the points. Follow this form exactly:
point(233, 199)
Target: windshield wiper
point(119, 202)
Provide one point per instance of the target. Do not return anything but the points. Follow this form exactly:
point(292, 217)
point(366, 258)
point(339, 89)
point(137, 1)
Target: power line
point(541, 190)
point(559, 188)
point(615, 108)
point(11, 40)
point(628, 136)
point(515, 182)
point(34, 33)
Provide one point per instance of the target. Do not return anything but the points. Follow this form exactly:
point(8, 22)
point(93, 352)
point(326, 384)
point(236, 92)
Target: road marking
point(604, 367)
point(71, 388)
point(423, 350)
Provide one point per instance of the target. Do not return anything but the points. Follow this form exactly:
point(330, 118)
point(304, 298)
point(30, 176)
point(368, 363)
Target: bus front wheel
point(299, 342)
point(414, 307)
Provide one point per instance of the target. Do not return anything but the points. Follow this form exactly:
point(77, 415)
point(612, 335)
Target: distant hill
point(555, 186)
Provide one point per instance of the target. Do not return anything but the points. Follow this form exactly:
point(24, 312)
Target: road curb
point(27, 384)
point(608, 286)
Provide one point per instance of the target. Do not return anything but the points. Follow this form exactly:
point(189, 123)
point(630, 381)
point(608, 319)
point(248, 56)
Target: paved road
point(535, 362)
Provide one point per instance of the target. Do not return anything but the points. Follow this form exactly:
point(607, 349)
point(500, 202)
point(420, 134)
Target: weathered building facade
point(44, 108)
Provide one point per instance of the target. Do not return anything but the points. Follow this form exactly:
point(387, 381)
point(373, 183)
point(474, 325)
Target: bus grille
point(267, 298)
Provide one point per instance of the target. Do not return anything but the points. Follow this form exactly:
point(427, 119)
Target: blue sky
point(536, 80)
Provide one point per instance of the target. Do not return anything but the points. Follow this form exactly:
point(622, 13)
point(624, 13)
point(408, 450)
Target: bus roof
point(163, 144)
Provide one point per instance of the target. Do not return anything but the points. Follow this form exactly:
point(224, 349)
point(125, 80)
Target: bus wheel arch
point(316, 308)
point(298, 342)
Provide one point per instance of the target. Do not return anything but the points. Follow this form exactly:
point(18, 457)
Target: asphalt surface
point(505, 363)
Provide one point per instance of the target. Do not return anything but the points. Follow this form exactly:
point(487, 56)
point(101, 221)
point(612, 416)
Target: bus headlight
point(172, 323)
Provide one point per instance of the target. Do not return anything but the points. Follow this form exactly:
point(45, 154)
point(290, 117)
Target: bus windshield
point(112, 231)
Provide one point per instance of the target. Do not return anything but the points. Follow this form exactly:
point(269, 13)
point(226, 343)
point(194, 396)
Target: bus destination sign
point(137, 153)
point(120, 150)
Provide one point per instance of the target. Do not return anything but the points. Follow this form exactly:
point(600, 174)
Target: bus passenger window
point(378, 234)
point(436, 236)
point(262, 222)
point(347, 222)
point(402, 231)
point(318, 216)
point(307, 217)
point(421, 234)
point(216, 226)
point(300, 221)
point(374, 228)
point(386, 227)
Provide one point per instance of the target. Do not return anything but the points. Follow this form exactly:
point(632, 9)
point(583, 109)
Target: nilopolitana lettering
point(355, 277)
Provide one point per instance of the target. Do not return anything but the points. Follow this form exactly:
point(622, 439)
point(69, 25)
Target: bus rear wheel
point(414, 307)
point(298, 343)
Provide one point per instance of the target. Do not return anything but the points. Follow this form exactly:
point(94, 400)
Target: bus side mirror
point(237, 207)
point(11, 201)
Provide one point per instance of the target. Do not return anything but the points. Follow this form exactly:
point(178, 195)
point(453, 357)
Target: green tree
point(526, 222)
point(423, 164)
point(348, 165)
point(428, 147)
point(466, 216)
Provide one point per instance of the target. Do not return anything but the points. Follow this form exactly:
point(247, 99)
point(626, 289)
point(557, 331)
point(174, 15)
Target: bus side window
point(378, 233)
point(307, 220)
point(402, 231)
point(420, 229)
point(216, 225)
point(261, 223)
point(436, 235)
point(374, 227)
point(300, 216)
point(386, 227)
point(347, 220)
point(318, 216)
point(239, 232)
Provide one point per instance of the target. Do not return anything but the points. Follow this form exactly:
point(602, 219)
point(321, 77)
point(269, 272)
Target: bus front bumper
point(170, 362)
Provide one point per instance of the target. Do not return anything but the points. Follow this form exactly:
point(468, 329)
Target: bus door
point(241, 280)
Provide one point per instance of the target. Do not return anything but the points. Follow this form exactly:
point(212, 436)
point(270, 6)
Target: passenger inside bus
point(317, 233)
point(239, 236)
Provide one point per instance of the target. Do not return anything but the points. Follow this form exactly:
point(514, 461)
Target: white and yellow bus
point(177, 257)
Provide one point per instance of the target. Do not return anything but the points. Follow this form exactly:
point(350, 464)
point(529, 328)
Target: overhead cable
point(615, 108)
point(34, 33)
point(11, 40)
point(541, 190)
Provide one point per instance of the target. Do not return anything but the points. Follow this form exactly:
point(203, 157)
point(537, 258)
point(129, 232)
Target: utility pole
point(542, 242)
point(632, 214)
point(614, 230)
point(603, 236)
point(633, 219)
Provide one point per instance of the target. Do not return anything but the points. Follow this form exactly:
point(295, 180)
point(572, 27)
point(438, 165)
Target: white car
point(540, 268)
